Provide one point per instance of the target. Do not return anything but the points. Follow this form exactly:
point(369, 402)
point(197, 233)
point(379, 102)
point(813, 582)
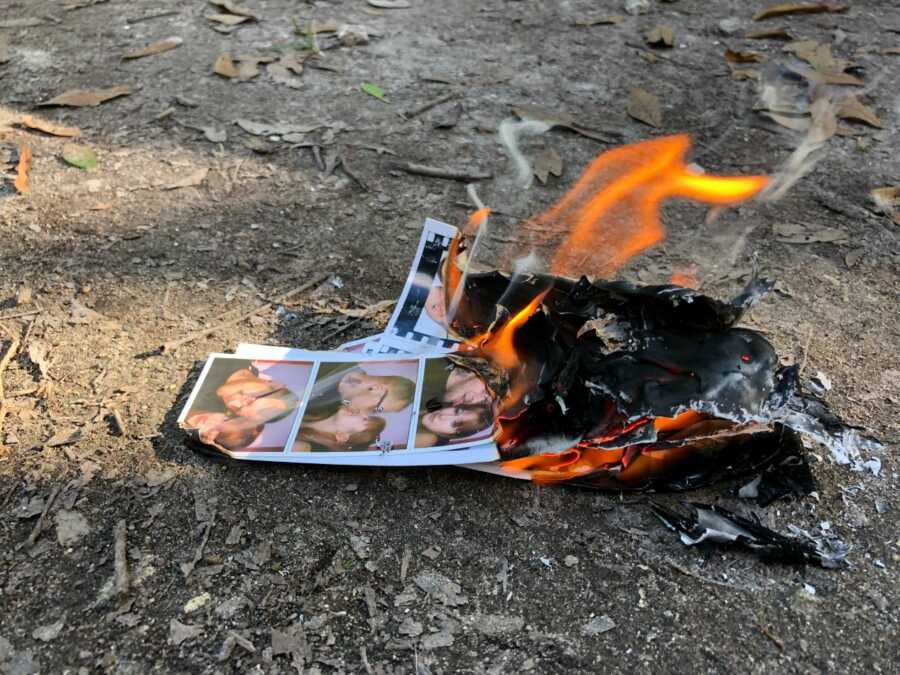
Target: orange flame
point(498, 345)
point(612, 212)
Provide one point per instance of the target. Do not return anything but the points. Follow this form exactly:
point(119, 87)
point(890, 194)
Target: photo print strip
point(245, 406)
point(419, 316)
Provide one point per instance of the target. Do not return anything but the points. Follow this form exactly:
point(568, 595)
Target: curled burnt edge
point(710, 523)
point(615, 386)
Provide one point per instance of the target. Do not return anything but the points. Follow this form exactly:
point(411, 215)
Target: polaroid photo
point(454, 408)
point(419, 317)
point(245, 406)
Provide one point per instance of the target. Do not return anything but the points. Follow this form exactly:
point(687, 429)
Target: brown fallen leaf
point(852, 109)
point(744, 74)
point(660, 36)
point(225, 67)
point(887, 200)
point(768, 34)
point(599, 20)
point(799, 8)
point(645, 107)
point(280, 74)
point(51, 128)
point(546, 163)
point(791, 233)
point(64, 437)
point(247, 70)
point(890, 51)
point(234, 8)
point(191, 180)
point(80, 98)
point(818, 55)
point(154, 48)
point(734, 56)
point(22, 169)
point(564, 120)
point(228, 19)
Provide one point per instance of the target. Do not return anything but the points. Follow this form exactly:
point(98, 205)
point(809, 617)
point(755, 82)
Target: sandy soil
point(239, 568)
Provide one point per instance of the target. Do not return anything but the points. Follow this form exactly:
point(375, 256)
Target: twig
point(438, 172)
point(765, 630)
point(120, 547)
point(39, 525)
point(343, 328)
point(715, 582)
point(148, 17)
point(365, 660)
point(428, 105)
point(350, 172)
point(7, 357)
point(172, 345)
point(20, 314)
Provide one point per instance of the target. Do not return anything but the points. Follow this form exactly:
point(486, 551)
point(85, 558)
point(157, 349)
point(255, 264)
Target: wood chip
point(225, 67)
point(155, 48)
point(79, 98)
point(645, 107)
point(37, 124)
point(798, 8)
point(234, 8)
point(599, 20)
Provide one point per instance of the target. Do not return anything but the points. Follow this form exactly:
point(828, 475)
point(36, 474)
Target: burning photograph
point(359, 406)
point(421, 311)
point(244, 405)
point(455, 406)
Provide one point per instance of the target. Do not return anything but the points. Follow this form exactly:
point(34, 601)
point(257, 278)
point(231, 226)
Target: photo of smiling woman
point(455, 406)
point(247, 406)
point(359, 406)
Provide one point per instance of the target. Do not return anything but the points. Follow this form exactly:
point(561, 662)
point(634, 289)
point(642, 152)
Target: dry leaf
point(64, 437)
point(546, 163)
point(281, 75)
point(645, 107)
point(292, 63)
point(155, 48)
point(228, 19)
point(79, 98)
point(560, 119)
point(744, 74)
point(599, 20)
point(390, 4)
point(4, 48)
point(889, 51)
point(768, 34)
point(191, 180)
point(225, 67)
point(735, 56)
point(887, 200)
point(371, 310)
point(798, 8)
point(247, 70)
point(275, 128)
point(660, 36)
point(48, 127)
point(790, 233)
point(818, 55)
point(234, 8)
point(24, 294)
point(28, 22)
point(22, 169)
point(214, 135)
point(38, 351)
point(851, 109)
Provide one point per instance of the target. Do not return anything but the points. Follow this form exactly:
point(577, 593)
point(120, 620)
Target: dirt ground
point(242, 568)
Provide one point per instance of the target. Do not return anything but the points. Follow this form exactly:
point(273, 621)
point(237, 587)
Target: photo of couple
point(455, 406)
point(359, 406)
point(245, 405)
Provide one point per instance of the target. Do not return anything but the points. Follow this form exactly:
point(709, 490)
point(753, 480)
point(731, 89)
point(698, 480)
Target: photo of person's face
point(254, 398)
point(435, 305)
point(464, 387)
point(207, 424)
point(452, 421)
point(362, 391)
point(350, 421)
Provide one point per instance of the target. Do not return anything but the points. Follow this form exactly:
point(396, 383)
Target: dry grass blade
point(798, 8)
